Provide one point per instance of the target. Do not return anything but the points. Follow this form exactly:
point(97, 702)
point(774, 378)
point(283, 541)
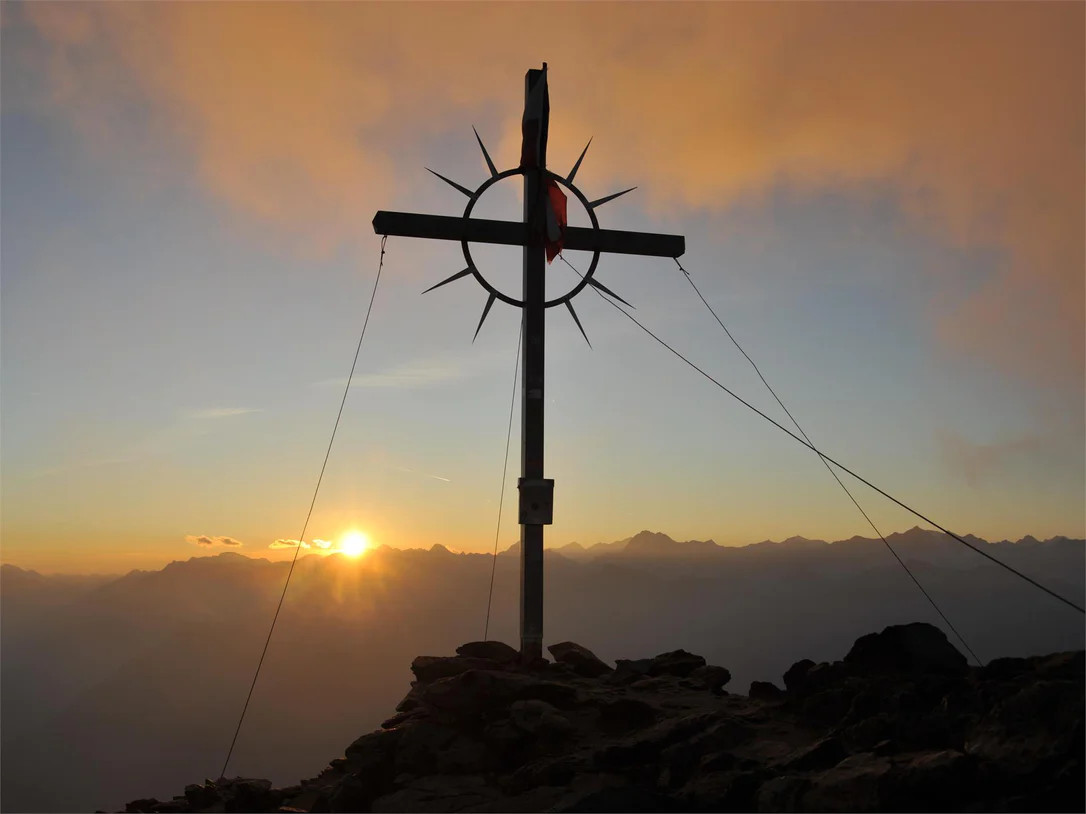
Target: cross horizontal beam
point(506, 233)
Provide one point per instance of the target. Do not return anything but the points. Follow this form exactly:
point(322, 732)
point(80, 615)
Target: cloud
point(977, 462)
point(289, 544)
point(222, 412)
point(971, 113)
point(205, 540)
point(322, 543)
point(423, 474)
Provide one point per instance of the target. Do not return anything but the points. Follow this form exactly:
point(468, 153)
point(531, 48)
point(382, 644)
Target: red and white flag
point(533, 128)
point(556, 219)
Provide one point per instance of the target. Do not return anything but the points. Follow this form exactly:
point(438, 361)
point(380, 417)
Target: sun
point(354, 544)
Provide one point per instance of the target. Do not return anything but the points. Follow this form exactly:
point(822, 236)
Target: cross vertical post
point(542, 232)
point(532, 389)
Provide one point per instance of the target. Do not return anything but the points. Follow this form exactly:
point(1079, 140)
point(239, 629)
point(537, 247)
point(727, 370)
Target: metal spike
point(486, 155)
point(573, 314)
point(602, 201)
point(592, 281)
point(577, 166)
point(482, 319)
point(456, 276)
point(453, 184)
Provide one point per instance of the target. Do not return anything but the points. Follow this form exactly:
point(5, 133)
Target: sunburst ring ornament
point(471, 267)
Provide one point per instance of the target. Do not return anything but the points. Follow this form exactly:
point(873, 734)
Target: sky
point(883, 202)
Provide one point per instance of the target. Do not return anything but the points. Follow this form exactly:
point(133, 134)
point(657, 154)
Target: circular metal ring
point(485, 283)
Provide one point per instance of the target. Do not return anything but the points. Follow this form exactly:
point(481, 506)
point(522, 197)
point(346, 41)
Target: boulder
point(583, 661)
point(730, 790)
point(795, 675)
point(439, 793)
point(942, 780)
point(428, 669)
point(765, 691)
point(630, 670)
point(498, 652)
point(550, 771)
point(822, 754)
point(253, 795)
point(539, 718)
point(711, 678)
point(912, 648)
point(852, 785)
point(202, 796)
point(676, 663)
point(623, 714)
point(468, 694)
point(412, 699)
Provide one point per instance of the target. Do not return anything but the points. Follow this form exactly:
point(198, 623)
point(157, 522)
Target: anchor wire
point(822, 458)
point(839, 465)
point(309, 514)
point(505, 472)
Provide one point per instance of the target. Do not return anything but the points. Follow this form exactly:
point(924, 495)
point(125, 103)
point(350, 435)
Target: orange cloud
point(289, 544)
point(973, 113)
point(205, 540)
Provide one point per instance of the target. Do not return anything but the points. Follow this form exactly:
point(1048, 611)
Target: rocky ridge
point(901, 724)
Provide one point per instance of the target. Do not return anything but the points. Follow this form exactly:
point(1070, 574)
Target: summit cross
point(542, 233)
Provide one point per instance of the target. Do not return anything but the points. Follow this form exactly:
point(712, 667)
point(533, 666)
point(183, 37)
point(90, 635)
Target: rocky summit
point(903, 723)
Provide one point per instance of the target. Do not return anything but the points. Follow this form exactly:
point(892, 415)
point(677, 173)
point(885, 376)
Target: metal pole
point(532, 396)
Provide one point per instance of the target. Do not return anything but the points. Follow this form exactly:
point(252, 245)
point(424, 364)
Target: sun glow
point(354, 544)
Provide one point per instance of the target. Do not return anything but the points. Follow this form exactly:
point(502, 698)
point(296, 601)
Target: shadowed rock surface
point(901, 724)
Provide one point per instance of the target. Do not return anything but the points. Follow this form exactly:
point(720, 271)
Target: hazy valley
point(114, 688)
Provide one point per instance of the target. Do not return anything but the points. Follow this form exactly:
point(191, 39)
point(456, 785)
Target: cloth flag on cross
point(533, 128)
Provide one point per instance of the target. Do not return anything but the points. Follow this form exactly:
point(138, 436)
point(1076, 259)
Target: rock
point(783, 794)
point(676, 663)
point(828, 707)
point(413, 698)
point(732, 790)
point(539, 718)
point(583, 661)
point(913, 648)
point(201, 796)
point(309, 800)
point(558, 771)
point(630, 670)
point(354, 793)
point(438, 794)
point(621, 715)
point(498, 652)
point(868, 734)
point(428, 669)
point(646, 736)
point(619, 799)
point(402, 717)
point(374, 752)
point(464, 755)
point(253, 795)
point(469, 694)
point(766, 691)
point(141, 805)
point(795, 675)
point(418, 749)
point(710, 678)
point(852, 785)
point(823, 754)
point(935, 780)
point(1040, 723)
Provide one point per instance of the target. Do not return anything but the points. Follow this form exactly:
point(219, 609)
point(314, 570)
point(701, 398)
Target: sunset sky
point(884, 202)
